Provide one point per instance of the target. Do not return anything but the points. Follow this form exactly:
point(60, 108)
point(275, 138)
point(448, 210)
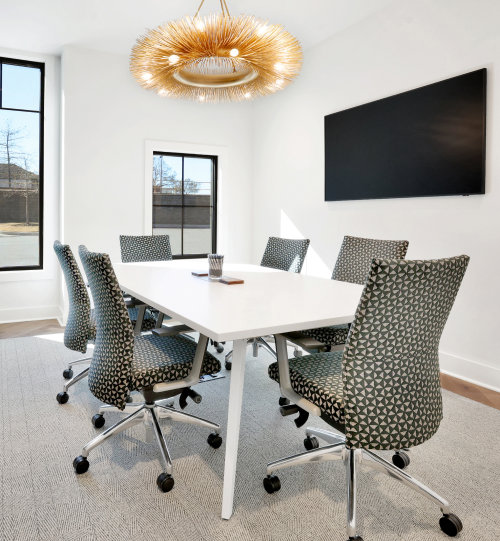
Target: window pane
point(168, 221)
point(19, 189)
point(198, 174)
point(197, 230)
point(20, 87)
point(167, 174)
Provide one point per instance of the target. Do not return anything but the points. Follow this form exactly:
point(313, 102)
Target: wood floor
point(455, 385)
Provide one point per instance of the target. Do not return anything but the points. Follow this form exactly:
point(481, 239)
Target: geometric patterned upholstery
point(142, 248)
point(318, 378)
point(117, 367)
point(392, 389)
point(80, 329)
point(285, 254)
point(353, 264)
point(390, 397)
point(157, 359)
point(136, 248)
point(356, 254)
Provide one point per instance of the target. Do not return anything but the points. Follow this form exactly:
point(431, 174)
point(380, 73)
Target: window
point(21, 164)
point(185, 202)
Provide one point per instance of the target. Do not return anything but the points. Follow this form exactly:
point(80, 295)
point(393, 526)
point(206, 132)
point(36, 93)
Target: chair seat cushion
point(336, 335)
point(318, 378)
point(160, 359)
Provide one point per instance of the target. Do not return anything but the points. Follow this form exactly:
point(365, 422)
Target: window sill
point(26, 275)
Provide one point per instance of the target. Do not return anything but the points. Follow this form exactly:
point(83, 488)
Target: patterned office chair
point(282, 254)
point(80, 328)
point(159, 368)
point(142, 248)
point(136, 248)
point(383, 392)
point(353, 263)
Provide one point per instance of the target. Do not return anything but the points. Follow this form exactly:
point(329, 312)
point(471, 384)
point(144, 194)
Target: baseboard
point(30, 313)
point(472, 371)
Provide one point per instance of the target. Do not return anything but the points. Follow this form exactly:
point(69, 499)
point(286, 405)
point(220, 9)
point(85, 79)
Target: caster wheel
point(297, 352)
point(214, 440)
point(401, 460)
point(283, 401)
point(450, 524)
point(219, 348)
point(81, 464)
point(62, 398)
point(311, 442)
point(68, 373)
point(98, 420)
point(165, 482)
point(129, 399)
point(272, 484)
point(228, 365)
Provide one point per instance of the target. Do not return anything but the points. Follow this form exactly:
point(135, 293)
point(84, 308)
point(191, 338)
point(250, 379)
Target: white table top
point(268, 302)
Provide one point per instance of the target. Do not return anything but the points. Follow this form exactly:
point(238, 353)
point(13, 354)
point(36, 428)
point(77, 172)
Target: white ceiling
point(46, 26)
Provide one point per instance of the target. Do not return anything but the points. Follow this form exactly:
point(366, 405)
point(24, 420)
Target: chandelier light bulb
point(248, 95)
point(146, 76)
point(173, 59)
point(278, 66)
point(263, 28)
point(234, 52)
point(199, 25)
point(202, 98)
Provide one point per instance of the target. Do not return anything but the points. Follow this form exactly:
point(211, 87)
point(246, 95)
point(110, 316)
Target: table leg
point(233, 425)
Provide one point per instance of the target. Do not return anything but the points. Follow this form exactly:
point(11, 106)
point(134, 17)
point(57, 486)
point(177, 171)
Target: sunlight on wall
point(314, 265)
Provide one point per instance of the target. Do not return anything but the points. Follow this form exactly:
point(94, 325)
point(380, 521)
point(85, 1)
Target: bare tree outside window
point(164, 180)
point(10, 150)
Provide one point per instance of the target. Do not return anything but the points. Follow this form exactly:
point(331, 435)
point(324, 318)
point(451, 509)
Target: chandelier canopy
point(216, 58)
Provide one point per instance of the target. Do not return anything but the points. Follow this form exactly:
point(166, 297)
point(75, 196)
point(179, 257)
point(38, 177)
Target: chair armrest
point(285, 383)
point(172, 331)
point(303, 341)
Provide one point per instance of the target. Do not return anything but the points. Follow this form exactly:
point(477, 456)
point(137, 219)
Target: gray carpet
point(42, 498)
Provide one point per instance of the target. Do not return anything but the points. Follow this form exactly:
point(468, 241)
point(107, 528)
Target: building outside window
point(21, 164)
point(185, 202)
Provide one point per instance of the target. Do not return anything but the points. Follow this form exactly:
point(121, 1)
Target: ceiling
point(46, 26)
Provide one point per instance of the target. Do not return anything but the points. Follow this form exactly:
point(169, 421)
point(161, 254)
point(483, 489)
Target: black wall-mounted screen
point(425, 142)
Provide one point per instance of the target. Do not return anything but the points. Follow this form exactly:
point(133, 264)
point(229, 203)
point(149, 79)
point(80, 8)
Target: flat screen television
point(424, 142)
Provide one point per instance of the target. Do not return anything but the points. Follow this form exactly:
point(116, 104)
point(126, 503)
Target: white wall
point(404, 47)
point(26, 295)
point(107, 119)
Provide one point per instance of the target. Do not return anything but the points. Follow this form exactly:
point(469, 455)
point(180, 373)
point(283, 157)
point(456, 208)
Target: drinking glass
point(215, 262)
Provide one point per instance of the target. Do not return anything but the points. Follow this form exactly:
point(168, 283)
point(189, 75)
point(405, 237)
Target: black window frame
point(41, 113)
point(213, 206)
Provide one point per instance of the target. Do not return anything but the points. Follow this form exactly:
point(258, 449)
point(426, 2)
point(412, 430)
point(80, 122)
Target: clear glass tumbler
point(215, 262)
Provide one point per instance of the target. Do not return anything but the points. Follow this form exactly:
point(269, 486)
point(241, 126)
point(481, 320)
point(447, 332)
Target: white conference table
point(269, 302)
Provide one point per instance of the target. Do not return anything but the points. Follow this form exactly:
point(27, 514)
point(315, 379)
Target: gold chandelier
point(216, 58)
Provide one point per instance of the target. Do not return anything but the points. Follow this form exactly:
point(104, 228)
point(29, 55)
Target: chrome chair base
point(63, 396)
point(353, 459)
point(150, 415)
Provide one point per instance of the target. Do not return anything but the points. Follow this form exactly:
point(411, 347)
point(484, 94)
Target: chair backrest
point(145, 248)
point(79, 328)
point(356, 254)
point(392, 392)
point(285, 254)
point(110, 369)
